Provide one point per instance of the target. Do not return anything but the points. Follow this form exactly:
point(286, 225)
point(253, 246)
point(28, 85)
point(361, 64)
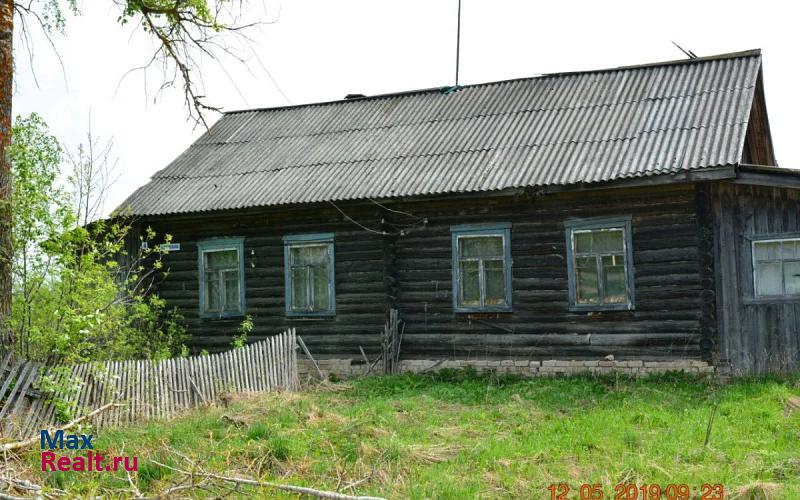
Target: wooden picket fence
point(34, 396)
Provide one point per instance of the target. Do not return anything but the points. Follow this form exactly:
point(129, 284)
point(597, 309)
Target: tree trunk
point(6, 88)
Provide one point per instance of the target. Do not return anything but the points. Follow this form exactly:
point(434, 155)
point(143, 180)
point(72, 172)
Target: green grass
point(459, 435)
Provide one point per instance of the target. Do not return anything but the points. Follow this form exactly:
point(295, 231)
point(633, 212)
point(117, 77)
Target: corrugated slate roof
point(553, 129)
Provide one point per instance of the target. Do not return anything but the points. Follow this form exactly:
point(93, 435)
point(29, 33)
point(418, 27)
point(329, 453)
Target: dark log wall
point(359, 263)
point(667, 321)
point(673, 316)
point(756, 336)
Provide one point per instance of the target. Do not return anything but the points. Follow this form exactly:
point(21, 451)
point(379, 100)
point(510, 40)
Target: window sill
point(221, 317)
point(602, 308)
point(484, 310)
point(310, 316)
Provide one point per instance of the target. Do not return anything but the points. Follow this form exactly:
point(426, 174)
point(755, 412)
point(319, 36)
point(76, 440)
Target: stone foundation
point(346, 367)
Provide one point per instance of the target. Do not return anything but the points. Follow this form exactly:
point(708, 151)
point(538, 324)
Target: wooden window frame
point(301, 240)
point(594, 224)
point(771, 238)
point(218, 245)
point(472, 230)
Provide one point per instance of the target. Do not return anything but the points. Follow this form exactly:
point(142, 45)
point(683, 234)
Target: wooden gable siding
point(412, 272)
point(756, 336)
point(668, 270)
point(758, 148)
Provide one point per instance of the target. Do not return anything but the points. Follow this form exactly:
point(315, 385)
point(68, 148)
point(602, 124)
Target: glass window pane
point(583, 241)
point(614, 274)
point(767, 250)
point(791, 277)
point(310, 284)
point(470, 292)
point(309, 255)
point(768, 279)
point(789, 249)
point(586, 290)
point(212, 293)
point(319, 278)
point(494, 279)
point(481, 246)
point(221, 259)
point(231, 290)
point(607, 241)
point(299, 286)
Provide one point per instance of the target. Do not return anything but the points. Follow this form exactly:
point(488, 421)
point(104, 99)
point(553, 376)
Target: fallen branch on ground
point(3, 496)
point(16, 445)
point(19, 484)
point(266, 484)
point(356, 483)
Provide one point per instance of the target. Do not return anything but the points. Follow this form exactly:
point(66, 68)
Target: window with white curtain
point(776, 267)
point(309, 274)
point(600, 264)
point(221, 277)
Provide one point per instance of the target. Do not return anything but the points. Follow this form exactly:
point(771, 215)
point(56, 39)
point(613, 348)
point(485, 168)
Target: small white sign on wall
point(169, 247)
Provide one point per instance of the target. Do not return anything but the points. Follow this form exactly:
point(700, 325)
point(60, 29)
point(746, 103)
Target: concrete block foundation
point(348, 367)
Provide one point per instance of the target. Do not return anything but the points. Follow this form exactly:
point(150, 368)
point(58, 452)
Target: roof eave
point(768, 176)
point(723, 172)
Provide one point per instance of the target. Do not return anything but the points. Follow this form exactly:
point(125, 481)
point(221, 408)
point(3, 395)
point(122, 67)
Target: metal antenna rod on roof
point(458, 41)
point(689, 53)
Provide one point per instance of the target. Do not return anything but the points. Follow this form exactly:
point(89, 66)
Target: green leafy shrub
point(240, 339)
point(73, 300)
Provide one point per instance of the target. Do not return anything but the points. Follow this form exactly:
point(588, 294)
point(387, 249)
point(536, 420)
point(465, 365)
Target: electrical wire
point(393, 210)
point(365, 228)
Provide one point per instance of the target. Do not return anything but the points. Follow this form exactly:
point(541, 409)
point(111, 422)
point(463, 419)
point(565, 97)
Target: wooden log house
point(626, 219)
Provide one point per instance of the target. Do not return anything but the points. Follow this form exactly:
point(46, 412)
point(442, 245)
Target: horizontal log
point(414, 351)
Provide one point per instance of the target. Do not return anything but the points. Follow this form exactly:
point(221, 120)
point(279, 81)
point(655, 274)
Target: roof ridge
point(537, 109)
point(401, 93)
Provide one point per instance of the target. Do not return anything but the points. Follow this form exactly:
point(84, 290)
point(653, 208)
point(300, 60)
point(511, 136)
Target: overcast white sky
point(319, 50)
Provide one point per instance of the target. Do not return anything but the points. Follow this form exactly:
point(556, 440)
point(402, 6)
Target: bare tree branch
point(186, 34)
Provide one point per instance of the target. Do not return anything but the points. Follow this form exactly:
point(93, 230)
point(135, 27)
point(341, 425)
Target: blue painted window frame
point(623, 223)
point(218, 244)
point(301, 240)
point(495, 229)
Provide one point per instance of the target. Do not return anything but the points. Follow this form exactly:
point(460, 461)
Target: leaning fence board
point(280, 353)
point(169, 395)
point(237, 366)
point(284, 342)
point(14, 393)
point(236, 362)
point(97, 384)
point(213, 365)
point(143, 389)
point(237, 372)
point(128, 382)
point(11, 377)
point(273, 346)
point(252, 376)
point(5, 363)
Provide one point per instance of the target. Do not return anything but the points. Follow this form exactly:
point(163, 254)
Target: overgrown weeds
point(457, 434)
